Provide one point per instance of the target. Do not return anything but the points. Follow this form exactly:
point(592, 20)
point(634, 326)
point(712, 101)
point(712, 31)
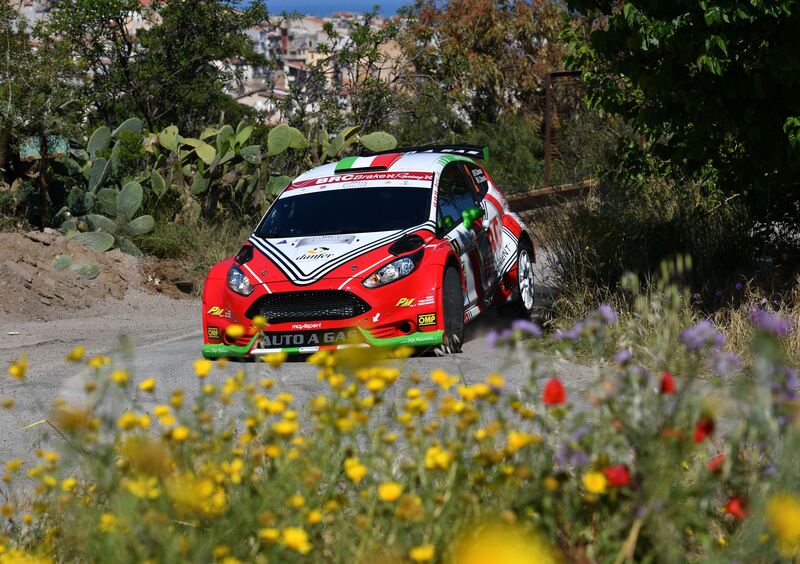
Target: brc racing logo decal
point(213, 333)
point(364, 176)
point(404, 302)
point(426, 319)
point(317, 253)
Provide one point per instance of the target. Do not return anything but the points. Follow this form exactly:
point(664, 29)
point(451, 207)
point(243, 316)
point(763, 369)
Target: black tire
point(517, 307)
point(453, 309)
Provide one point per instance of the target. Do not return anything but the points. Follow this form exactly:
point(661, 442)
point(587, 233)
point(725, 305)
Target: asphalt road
point(154, 336)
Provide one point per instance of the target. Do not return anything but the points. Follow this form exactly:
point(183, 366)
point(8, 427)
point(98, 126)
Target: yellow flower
point(296, 539)
point(119, 377)
point(783, 516)
point(422, 553)
point(69, 484)
point(389, 491)
point(275, 359)
point(314, 516)
point(296, 501)
point(375, 385)
point(520, 439)
point(148, 385)
point(269, 534)
point(161, 411)
point(196, 496)
point(14, 465)
point(180, 433)
point(98, 361)
point(437, 458)
point(595, 482)
point(354, 469)
point(285, 428)
point(442, 379)
point(344, 424)
point(130, 421)
point(496, 381)
point(108, 522)
point(551, 483)
point(143, 487)
point(202, 367)
point(18, 368)
point(259, 322)
point(501, 542)
point(234, 331)
point(76, 354)
point(8, 403)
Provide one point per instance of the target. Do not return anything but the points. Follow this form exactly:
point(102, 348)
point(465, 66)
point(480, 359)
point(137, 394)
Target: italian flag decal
point(360, 163)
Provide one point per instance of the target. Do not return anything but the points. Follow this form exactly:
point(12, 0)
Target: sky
point(325, 7)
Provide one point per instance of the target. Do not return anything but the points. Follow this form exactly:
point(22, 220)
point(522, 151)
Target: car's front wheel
point(453, 309)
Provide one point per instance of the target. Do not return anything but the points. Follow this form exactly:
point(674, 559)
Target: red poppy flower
point(618, 476)
point(715, 464)
point(554, 393)
point(736, 507)
point(667, 383)
point(703, 429)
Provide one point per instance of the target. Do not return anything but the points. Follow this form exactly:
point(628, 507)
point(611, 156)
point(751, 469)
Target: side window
point(455, 196)
point(478, 180)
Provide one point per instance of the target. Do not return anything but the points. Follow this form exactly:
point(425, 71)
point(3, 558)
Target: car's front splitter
point(418, 339)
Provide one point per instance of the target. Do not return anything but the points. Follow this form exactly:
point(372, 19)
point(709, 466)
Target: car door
point(455, 195)
point(490, 230)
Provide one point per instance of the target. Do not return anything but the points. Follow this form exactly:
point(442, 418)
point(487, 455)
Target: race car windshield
point(357, 210)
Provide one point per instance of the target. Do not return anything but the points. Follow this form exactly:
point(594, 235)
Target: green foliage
point(709, 84)
point(173, 72)
point(490, 57)
point(635, 227)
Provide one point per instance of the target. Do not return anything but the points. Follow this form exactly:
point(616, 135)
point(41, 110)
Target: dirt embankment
point(46, 276)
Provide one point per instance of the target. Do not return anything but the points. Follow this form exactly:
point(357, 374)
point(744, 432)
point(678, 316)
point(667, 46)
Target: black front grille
point(317, 305)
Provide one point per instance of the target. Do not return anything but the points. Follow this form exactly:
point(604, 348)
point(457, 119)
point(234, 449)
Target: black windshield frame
point(359, 202)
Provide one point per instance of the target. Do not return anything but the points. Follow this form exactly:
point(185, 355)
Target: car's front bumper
point(253, 348)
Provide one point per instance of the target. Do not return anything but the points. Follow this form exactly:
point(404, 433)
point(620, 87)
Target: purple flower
point(607, 313)
point(526, 326)
point(622, 356)
point(491, 339)
point(771, 323)
point(739, 286)
point(572, 335)
point(696, 296)
point(702, 335)
point(723, 363)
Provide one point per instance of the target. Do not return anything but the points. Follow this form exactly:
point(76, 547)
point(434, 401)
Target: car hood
point(305, 260)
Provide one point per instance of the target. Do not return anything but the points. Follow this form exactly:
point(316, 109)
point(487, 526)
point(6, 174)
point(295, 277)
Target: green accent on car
point(345, 163)
point(470, 215)
point(445, 160)
point(418, 339)
point(218, 350)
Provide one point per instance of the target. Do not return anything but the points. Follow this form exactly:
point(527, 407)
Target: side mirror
point(470, 215)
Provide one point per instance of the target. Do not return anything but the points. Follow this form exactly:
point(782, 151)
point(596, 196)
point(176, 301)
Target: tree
point(365, 67)
point(711, 88)
point(487, 56)
point(37, 86)
point(168, 61)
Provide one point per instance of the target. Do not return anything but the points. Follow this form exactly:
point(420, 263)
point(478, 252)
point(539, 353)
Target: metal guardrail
point(548, 195)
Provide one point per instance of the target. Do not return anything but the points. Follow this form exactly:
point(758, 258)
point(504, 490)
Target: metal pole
point(548, 100)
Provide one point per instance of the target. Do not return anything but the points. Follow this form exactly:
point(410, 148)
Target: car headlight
point(393, 271)
point(239, 282)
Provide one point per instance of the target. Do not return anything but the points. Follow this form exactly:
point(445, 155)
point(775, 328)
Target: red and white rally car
point(397, 248)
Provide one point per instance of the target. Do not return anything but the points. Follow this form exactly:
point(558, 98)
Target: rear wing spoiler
point(474, 151)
